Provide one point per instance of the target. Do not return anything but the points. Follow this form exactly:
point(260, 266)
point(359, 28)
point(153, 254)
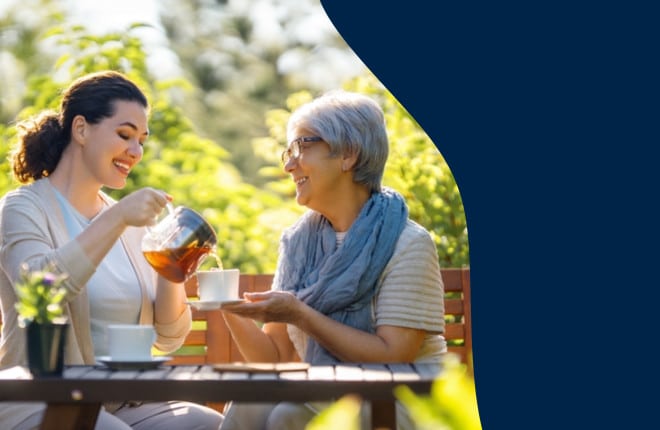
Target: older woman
point(356, 280)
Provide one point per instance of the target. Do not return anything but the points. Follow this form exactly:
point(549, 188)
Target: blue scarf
point(340, 282)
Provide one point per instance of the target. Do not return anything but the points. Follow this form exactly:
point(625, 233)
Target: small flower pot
point(45, 348)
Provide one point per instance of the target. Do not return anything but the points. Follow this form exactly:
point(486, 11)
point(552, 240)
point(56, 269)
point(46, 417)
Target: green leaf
point(343, 414)
point(40, 294)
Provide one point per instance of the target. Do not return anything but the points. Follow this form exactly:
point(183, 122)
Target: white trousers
point(293, 416)
point(147, 416)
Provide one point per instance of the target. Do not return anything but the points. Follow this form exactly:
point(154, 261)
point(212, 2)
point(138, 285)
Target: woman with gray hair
point(356, 280)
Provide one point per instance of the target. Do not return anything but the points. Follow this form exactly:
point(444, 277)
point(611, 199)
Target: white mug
point(217, 285)
point(130, 342)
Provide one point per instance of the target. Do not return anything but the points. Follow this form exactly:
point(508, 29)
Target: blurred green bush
point(452, 404)
point(198, 171)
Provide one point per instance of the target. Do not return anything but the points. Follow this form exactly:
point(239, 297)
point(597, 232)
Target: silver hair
point(350, 123)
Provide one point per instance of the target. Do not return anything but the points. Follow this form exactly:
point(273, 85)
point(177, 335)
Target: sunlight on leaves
point(452, 404)
point(344, 414)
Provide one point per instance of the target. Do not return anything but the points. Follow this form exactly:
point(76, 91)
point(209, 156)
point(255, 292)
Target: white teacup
point(130, 342)
point(217, 285)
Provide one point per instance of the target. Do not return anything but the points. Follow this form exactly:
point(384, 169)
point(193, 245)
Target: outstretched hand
point(270, 306)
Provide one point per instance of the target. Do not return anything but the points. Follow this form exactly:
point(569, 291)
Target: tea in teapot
point(177, 245)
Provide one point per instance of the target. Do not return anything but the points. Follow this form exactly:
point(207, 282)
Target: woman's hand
point(141, 207)
point(137, 209)
point(271, 306)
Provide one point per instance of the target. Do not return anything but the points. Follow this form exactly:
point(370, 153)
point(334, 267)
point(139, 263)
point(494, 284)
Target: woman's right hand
point(268, 306)
point(137, 209)
point(143, 206)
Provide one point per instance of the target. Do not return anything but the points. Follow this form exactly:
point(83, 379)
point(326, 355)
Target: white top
point(410, 293)
point(113, 290)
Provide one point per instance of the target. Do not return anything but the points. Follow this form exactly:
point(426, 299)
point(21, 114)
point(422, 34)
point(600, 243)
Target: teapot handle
point(170, 209)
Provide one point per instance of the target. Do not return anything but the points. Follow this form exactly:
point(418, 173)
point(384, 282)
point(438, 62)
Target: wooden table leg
point(383, 415)
point(70, 416)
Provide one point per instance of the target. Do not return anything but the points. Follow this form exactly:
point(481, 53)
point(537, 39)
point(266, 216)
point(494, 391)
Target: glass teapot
point(177, 245)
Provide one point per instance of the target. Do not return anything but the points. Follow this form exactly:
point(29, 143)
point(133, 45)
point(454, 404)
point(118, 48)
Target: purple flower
point(49, 279)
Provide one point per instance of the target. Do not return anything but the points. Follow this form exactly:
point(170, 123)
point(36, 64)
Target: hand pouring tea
point(177, 245)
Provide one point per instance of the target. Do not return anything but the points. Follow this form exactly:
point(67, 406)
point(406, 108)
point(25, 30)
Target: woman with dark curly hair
point(60, 218)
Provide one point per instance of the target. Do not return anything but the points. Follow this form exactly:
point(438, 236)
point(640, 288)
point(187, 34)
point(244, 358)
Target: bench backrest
point(210, 341)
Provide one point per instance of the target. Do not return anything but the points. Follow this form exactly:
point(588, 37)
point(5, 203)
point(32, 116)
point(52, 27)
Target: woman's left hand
point(271, 306)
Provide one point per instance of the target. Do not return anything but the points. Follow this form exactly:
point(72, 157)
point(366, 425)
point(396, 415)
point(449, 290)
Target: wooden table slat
point(376, 372)
point(322, 373)
point(428, 370)
point(84, 386)
point(77, 371)
point(234, 376)
point(98, 373)
point(207, 372)
point(403, 372)
point(154, 374)
point(349, 373)
point(265, 376)
point(124, 374)
point(294, 376)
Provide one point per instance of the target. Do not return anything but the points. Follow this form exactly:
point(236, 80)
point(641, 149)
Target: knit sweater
point(409, 293)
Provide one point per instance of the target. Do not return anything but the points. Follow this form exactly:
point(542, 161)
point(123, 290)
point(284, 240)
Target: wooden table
point(74, 400)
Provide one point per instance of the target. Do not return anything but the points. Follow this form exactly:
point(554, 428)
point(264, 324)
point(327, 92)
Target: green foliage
point(418, 171)
point(21, 51)
point(343, 414)
point(40, 295)
point(238, 73)
point(6, 179)
point(452, 404)
point(201, 173)
point(196, 171)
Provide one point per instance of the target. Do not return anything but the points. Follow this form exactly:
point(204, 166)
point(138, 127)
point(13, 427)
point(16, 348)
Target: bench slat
point(217, 346)
point(454, 331)
point(454, 307)
point(196, 338)
point(187, 359)
point(222, 349)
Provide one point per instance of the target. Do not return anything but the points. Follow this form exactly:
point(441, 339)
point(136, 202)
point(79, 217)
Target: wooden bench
point(210, 341)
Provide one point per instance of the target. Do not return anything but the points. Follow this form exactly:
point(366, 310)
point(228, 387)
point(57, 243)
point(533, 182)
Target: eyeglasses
point(295, 147)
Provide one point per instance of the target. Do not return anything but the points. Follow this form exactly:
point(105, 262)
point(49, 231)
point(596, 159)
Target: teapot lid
point(192, 219)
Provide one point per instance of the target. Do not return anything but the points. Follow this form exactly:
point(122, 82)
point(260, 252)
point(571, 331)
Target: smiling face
point(316, 174)
point(113, 146)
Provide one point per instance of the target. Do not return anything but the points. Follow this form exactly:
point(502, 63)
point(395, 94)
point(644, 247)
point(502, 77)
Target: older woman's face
point(314, 171)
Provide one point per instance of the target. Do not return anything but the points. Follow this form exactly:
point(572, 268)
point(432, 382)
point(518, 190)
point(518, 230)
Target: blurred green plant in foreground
point(452, 404)
point(343, 414)
point(40, 295)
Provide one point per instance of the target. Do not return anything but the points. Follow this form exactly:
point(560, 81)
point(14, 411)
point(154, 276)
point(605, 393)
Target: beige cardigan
point(32, 230)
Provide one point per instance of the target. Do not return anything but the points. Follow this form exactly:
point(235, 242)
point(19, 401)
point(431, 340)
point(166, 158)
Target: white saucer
point(153, 363)
point(211, 305)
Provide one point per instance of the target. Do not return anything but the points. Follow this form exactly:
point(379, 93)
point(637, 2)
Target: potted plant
point(39, 306)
